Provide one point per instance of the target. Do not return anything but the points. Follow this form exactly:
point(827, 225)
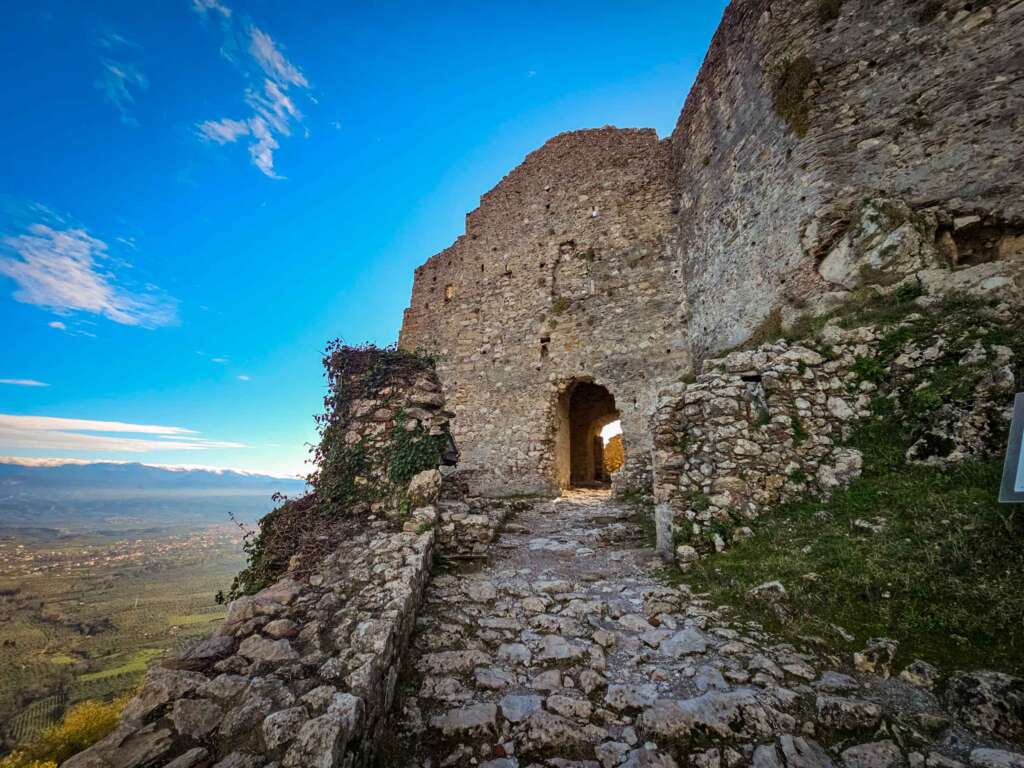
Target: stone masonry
point(763, 426)
point(613, 257)
point(563, 275)
point(300, 675)
point(754, 429)
point(828, 148)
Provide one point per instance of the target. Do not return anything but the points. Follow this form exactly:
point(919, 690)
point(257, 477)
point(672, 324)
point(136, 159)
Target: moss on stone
point(790, 99)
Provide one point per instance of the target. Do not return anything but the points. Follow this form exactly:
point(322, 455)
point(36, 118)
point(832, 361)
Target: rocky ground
point(564, 649)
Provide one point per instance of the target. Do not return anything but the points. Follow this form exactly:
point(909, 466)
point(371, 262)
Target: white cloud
point(117, 81)
point(273, 62)
point(111, 40)
point(61, 269)
point(219, 360)
point(262, 152)
point(223, 131)
point(24, 382)
point(58, 325)
point(243, 377)
point(273, 108)
point(203, 6)
point(51, 433)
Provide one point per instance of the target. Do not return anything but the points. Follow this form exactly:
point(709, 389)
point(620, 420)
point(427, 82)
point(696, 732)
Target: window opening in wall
point(449, 292)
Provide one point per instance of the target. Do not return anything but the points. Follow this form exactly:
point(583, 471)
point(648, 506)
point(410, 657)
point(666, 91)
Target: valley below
point(83, 614)
point(106, 568)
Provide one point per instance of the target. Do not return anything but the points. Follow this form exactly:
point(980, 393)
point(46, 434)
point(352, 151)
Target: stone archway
point(584, 409)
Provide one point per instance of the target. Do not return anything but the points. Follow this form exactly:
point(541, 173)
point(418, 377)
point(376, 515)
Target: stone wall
point(563, 275)
point(299, 675)
point(614, 257)
point(754, 429)
point(386, 421)
point(760, 427)
point(915, 100)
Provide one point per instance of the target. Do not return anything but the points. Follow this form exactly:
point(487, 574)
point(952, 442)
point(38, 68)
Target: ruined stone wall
point(754, 429)
point(763, 426)
point(563, 275)
point(922, 101)
point(610, 255)
point(300, 674)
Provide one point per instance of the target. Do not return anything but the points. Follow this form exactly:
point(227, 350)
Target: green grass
point(944, 575)
point(184, 620)
point(130, 663)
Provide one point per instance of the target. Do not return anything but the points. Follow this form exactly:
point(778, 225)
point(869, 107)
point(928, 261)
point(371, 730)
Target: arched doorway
point(585, 410)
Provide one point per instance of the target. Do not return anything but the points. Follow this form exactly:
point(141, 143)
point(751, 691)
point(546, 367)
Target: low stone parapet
point(300, 674)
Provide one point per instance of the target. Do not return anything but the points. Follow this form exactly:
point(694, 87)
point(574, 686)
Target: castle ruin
point(613, 258)
point(829, 150)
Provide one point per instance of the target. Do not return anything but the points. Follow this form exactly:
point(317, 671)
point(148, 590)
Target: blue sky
point(196, 195)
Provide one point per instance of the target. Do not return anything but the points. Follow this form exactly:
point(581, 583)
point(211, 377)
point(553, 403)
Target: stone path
point(565, 650)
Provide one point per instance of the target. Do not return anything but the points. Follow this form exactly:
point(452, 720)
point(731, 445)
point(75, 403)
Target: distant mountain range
point(106, 495)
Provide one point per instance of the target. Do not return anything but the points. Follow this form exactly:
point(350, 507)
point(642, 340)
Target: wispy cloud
point(219, 360)
point(243, 377)
point(24, 382)
point(274, 111)
point(58, 325)
point(52, 433)
point(120, 80)
point(224, 131)
point(268, 56)
point(117, 81)
point(67, 270)
point(202, 7)
point(111, 40)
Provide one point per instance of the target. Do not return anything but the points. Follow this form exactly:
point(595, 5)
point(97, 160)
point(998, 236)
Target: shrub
point(83, 725)
point(350, 476)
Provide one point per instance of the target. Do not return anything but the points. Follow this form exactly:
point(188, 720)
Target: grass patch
point(132, 663)
point(185, 620)
point(943, 577)
point(943, 573)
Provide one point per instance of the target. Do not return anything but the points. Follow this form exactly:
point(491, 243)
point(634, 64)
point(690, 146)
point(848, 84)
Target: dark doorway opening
point(586, 410)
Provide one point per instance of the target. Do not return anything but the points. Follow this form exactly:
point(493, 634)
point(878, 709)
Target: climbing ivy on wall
point(358, 469)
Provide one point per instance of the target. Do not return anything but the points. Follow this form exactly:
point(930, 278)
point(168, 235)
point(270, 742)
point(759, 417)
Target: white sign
point(1012, 488)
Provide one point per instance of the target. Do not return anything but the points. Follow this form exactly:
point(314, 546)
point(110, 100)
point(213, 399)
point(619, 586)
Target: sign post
point(1012, 488)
